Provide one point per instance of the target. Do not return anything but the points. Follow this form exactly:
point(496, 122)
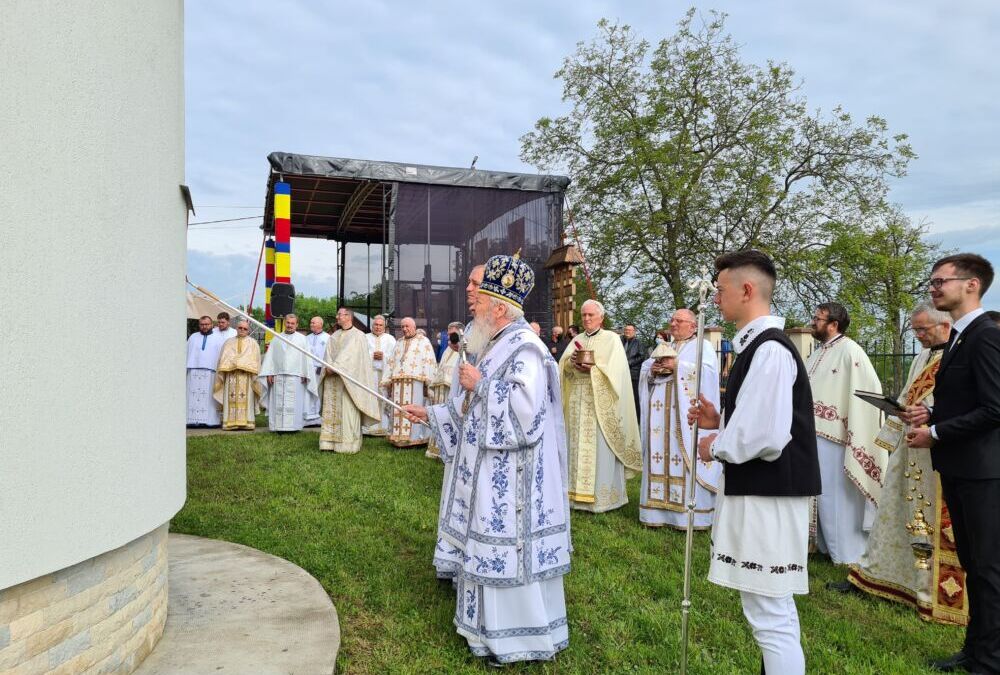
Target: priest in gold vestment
point(601, 427)
point(886, 569)
point(345, 406)
point(406, 377)
point(236, 386)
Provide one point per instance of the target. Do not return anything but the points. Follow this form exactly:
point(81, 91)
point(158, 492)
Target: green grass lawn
point(364, 525)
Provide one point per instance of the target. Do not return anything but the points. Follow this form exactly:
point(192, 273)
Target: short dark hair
point(994, 315)
point(971, 264)
point(748, 258)
point(573, 327)
point(204, 316)
point(836, 312)
point(629, 324)
point(222, 315)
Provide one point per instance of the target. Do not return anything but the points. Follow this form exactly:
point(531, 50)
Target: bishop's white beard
point(479, 335)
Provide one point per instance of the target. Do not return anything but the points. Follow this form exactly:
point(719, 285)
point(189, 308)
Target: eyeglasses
point(937, 282)
point(818, 319)
point(920, 330)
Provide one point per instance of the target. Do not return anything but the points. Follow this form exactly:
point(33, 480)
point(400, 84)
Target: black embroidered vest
point(796, 472)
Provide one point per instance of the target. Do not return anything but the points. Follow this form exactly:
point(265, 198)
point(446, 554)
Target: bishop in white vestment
point(505, 526)
point(287, 377)
point(380, 348)
point(317, 340)
point(203, 349)
point(665, 394)
point(406, 377)
point(853, 468)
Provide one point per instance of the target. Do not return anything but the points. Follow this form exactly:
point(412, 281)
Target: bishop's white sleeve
point(516, 404)
point(761, 425)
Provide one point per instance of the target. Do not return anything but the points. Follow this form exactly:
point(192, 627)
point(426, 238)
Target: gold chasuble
point(236, 386)
point(345, 406)
point(408, 374)
point(600, 417)
point(886, 569)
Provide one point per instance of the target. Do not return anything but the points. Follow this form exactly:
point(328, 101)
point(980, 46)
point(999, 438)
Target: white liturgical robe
point(504, 530)
point(317, 346)
point(202, 360)
point(294, 380)
point(384, 343)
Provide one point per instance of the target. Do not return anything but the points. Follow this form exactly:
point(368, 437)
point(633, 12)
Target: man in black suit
point(635, 352)
point(964, 438)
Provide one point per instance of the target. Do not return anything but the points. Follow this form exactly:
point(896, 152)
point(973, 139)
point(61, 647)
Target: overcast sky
point(440, 82)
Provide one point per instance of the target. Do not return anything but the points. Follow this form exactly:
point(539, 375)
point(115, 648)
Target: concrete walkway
point(234, 609)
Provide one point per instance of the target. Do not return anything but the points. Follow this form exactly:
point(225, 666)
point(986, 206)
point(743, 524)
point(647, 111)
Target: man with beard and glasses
point(852, 467)
point(964, 438)
point(203, 349)
point(506, 515)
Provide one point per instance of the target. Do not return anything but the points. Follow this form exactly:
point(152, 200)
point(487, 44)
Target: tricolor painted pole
point(243, 315)
point(268, 282)
point(282, 239)
point(703, 286)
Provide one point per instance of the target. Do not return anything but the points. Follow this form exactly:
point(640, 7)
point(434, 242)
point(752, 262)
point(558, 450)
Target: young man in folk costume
point(851, 466)
point(666, 391)
point(767, 444)
point(887, 567)
point(506, 515)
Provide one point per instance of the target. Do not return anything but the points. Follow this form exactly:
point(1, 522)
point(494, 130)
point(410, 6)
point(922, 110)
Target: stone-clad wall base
point(103, 615)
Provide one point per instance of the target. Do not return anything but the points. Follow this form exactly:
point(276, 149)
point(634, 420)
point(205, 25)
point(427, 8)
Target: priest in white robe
point(346, 405)
point(506, 519)
point(203, 350)
point(603, 432)
point(406, 378)
point(767, 444)
point(287, 377)
point(886, 569)
point(317, 340)
point(222, 327)
point(666, 391)
point(440, 387)
point(236, 387)
point(380, 347)
point(852, 467)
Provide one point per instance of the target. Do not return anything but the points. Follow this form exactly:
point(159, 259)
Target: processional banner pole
point(704, 287)
point(275, 334)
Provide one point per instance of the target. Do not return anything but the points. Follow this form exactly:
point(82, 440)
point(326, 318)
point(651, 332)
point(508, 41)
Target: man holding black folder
point(964, 438)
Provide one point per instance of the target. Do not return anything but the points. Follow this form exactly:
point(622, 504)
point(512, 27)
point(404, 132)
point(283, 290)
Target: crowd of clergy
point(789, 460)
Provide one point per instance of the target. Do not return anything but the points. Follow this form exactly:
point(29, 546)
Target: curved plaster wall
point(93, 248)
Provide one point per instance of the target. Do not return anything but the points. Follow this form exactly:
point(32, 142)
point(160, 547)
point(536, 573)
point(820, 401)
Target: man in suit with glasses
point(964, 438)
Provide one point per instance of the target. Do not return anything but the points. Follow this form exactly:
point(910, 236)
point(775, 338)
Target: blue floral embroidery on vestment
point(498, 512)
point(547, 556)
point(516, 337)
point(502, 390)
point(463, 471)
point(470, 604)
point(450, 430)
point(470, 428)
point(460, 516)
point(484, 368)
point(535, 423)
point(543, 514)
point(500, 435)
point(500, 482)
point(495, 563)
point(516, 367)
point(460, 553)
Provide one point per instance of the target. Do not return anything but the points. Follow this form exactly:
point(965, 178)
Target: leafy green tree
point(683, 151)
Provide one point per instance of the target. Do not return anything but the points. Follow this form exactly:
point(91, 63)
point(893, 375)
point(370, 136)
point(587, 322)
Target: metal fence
point(892, 366)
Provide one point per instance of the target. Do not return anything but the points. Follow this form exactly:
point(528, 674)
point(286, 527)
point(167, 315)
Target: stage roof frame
point(348, 200)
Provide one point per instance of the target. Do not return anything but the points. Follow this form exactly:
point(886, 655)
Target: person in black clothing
point(964, 438)
point(557, 345)
point(635, 352)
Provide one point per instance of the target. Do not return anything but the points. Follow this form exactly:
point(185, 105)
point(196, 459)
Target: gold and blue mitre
point(509, 278)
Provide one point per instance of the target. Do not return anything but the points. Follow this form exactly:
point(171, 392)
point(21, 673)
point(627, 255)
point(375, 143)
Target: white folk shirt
point(226, 334)
point(203, 350)
point(384, 343)
point(317, 346)
point(505, 520)
point(760, 544)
